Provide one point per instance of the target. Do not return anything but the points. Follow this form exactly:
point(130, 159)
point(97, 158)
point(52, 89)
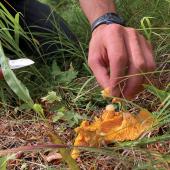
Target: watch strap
point(108, 18)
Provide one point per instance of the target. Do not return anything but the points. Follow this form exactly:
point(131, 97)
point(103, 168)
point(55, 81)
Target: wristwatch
point(108, 18)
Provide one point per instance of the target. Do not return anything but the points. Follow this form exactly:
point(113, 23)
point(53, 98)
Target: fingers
point(134, 83)
point(117, 51)
point(137, 64)
point(117, 60)
point(148, 54)
point(99, 69)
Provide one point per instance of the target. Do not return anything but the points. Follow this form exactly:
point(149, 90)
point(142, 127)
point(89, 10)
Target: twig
point(31, 148)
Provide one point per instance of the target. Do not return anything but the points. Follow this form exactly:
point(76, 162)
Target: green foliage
point(161, 94)
point(4, 160)
point(51, 97)
point(18, 88)
point(10, 25)
point(17, 28)
point(3, 163)
point(63, 77)
point(147, 26)
point(70, 117)
point(38, 109)
point(58, 106)
point(66, 77)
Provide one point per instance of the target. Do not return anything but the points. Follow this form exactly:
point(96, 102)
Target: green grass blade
point(3, 163)
point(16, 28)
point(18, 88)
point(161, 94)
point(145, 23)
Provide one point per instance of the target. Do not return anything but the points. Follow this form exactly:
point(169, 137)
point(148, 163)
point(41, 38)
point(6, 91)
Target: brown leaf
point(52, 156)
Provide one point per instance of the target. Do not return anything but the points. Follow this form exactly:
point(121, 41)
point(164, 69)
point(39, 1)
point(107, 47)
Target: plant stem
point(30, 148)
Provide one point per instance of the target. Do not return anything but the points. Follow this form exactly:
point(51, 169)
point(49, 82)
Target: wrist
point(107, 19)
point(101, 13)
point(93, 9)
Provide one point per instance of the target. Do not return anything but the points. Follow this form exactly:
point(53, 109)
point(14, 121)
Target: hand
point(116, 51)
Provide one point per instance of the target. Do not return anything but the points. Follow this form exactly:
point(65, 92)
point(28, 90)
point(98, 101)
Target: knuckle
point(133, 33)
point(132, 30)
point(115, 28)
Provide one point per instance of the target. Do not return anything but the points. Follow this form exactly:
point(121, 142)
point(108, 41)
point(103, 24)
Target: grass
point(77, 95)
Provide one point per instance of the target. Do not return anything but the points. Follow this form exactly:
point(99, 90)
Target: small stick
point(31, 148)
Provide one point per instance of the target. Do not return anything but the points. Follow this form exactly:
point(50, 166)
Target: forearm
point(96, 8)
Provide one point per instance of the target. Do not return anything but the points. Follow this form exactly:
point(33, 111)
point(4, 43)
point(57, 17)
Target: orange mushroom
point(112, 126)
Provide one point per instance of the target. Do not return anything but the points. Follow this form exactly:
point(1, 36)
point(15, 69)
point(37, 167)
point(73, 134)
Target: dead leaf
point(52, 156)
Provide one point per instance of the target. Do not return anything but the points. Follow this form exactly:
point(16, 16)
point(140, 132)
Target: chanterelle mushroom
point(112, 126)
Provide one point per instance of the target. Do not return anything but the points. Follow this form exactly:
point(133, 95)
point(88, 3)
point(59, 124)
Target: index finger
point(118, 61)
point(100, 70)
